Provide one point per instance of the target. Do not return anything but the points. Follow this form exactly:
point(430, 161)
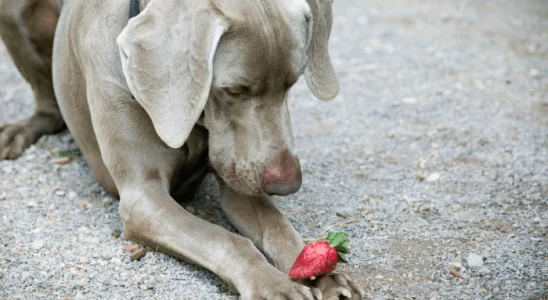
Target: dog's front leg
point(142, 167)
point(152, 217)
point(260, 220)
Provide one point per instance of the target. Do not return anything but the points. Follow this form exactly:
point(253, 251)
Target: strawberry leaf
point(337, 239)
point(342, 258)
point(342, 249)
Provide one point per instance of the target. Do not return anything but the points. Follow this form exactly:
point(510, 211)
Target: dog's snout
point(282, 176)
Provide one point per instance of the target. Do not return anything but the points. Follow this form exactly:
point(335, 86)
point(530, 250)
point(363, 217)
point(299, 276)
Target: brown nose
point(282, 175)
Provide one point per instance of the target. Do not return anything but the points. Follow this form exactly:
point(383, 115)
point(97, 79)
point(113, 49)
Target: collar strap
point(133, 8)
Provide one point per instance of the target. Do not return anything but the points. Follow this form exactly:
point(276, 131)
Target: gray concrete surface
point(434, 154)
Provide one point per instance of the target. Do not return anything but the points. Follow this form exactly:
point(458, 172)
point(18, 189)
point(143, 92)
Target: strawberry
point(320, 257)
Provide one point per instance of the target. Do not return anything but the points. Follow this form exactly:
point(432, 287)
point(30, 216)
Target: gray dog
point(153, 101)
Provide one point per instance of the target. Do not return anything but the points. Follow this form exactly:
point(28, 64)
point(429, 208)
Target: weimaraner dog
point(184, 88)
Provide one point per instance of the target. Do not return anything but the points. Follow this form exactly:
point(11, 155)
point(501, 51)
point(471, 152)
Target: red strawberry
point(320, 257)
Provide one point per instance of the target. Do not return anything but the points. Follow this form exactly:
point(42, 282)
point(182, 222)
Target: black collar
point(133, 8)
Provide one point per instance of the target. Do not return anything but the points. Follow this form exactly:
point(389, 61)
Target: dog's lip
point(221, 170)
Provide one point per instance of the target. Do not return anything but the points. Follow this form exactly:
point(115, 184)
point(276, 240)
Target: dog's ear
point(167, 58)
point(319, 74)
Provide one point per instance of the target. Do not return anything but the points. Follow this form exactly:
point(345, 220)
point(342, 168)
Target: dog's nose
point(282, 175)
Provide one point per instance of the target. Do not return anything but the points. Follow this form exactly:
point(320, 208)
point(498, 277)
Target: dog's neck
point(143, 4)
point(136, 7)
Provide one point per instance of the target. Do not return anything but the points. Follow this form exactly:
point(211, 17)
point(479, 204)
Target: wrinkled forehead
point(269, 35)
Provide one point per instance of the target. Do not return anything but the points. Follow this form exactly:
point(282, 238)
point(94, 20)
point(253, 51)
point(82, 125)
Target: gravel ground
point(435, 154)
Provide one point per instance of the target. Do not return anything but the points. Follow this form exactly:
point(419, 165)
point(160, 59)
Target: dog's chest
point(194, 167)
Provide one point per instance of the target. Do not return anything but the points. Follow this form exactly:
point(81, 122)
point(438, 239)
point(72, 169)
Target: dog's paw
point(274, 284)
point(336, 286)
point(14, 139)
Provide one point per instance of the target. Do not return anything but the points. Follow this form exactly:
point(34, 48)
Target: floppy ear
point(167, 59)
point(319, 73)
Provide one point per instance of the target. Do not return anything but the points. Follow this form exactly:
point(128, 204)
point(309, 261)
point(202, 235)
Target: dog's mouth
point(241, 178)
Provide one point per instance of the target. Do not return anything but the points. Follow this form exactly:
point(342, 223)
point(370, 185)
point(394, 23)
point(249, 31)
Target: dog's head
point(235, 61)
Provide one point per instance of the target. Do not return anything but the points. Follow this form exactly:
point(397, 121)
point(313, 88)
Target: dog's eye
point(236, 92)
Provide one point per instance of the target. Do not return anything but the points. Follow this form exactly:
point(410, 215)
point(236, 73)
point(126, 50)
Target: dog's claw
point(334, 286)
point(14, 139)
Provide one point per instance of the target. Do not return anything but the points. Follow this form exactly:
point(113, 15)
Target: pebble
point(409, 100)
point(72, 195)
point(474, 261)
point(457, 266)
point(116, 260)
point(60, 193)
point(191, 209)
point(84, 261)
point(38, 244)
point(342, 215)
point(90, 240)
point(483, 271)
point(433, 177)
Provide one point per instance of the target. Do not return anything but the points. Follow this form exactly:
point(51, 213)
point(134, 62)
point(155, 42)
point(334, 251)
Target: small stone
point(145, 287)
point(72, 195)
point(483, 271)
point(433, 177)
point(445, 17)
point(191, 209)
point(32, 204)
point(138, 254)
point(29, 289)
point(409, 100)
point(457, 266)
point(60, 160)
point(342, 215)
point(379, 277)
point(533, 73)
point(536, 220)
point(474, 261)
point(532, 48)
point(90, 240)
point(38, 244)
point(84, 261)
point(116, 260)
point(60, 193)
point(67, 139)
point(479, 85)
